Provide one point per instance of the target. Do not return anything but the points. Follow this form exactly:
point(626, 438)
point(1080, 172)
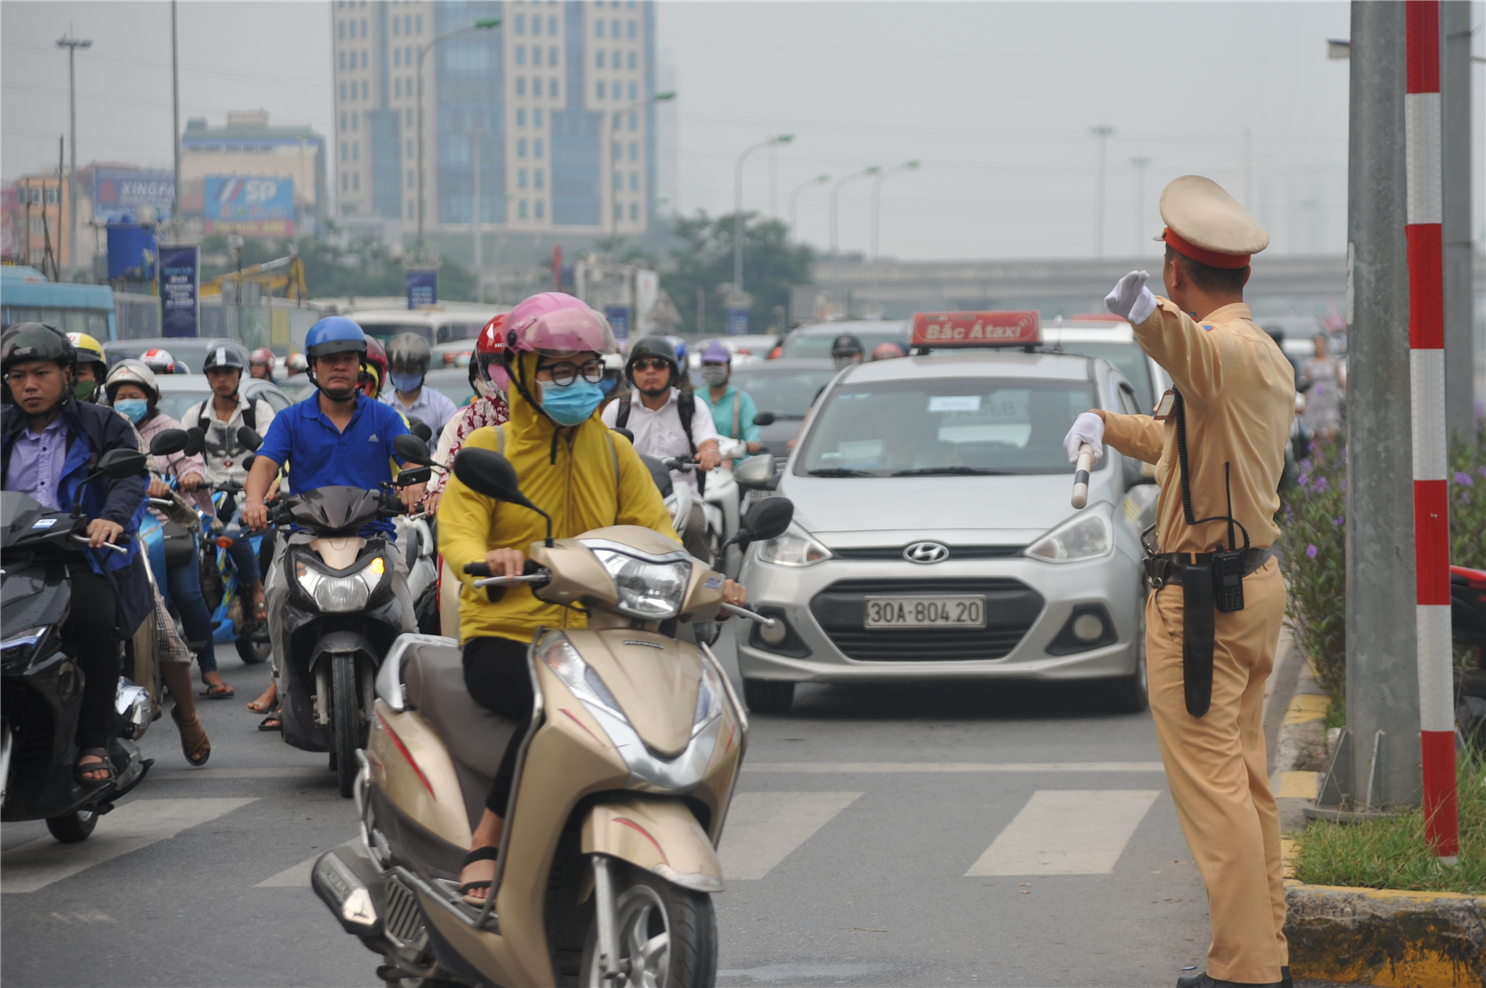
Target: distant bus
point(434, 325)
point(27, 296)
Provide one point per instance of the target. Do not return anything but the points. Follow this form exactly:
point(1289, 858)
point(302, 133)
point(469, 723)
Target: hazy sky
point(995, 99)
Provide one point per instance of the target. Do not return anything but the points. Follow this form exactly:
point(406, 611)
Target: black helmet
point(225, 356)
point(846, 345)
point(35, 341)
point(408, 353)
point(652, 346)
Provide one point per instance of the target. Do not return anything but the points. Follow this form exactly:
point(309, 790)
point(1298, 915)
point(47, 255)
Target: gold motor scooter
point(608, 857)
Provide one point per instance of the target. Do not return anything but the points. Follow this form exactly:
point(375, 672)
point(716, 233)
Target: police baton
point(1081, 475)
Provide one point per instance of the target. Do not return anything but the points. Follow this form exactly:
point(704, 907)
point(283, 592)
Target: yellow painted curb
point(1298, 785)
point(1306, 706)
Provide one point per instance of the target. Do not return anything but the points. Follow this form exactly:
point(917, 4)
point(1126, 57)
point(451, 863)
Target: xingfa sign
point(119, 191)
point(972, 329)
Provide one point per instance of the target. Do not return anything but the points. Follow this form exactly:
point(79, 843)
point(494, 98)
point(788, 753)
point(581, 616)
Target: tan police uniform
point(1239, 397)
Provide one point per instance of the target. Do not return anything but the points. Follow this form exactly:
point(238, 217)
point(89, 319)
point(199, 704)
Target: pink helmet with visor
point(555, 325)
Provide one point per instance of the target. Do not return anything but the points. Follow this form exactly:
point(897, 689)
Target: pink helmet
point(555, 324)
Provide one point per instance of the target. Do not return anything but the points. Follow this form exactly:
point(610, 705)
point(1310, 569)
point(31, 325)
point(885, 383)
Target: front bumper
point(1044, 597)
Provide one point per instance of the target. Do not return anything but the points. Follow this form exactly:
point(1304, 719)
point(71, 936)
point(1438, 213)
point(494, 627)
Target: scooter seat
point(433, 681)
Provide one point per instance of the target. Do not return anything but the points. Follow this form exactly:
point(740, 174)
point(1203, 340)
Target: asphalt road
point(936, 835)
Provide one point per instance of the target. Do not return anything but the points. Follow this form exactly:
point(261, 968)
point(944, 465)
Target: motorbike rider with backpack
point(49, 444)
point(334, 437)
point(564, 456)
point(667, 422)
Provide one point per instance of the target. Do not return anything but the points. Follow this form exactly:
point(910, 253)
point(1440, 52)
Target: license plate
point(926, 612)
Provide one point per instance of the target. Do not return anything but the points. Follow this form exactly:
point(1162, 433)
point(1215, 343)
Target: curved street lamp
point(794, 196)
point(608, 150)
point(738, 204)
point(877, 195)
point(836, 192)
point(484, 24)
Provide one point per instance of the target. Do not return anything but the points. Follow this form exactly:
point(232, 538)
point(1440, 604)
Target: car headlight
point(793, 548)
point(709, 699)
point(338, 594)
point(563, 659)
point(647, 589)
point(1083, 537)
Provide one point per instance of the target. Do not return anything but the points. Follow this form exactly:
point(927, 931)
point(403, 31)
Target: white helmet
point(131, 371)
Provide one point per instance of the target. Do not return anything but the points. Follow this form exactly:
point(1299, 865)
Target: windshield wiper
point(841, 472)
point(949, 472)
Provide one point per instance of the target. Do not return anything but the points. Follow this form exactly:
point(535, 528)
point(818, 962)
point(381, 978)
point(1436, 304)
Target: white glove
point(1087, 428)
point(1131, 299)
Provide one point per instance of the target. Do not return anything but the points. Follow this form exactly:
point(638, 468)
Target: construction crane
point(284, 273)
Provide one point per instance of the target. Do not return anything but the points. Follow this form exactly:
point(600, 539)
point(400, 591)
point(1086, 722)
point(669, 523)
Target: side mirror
point(420, 428)
point(249, 439)
point(412, 449)
point(123, 463)
point(766, 520)
point(168, 442)
point(247, 461)
point(486, 472)
point(195, 441)
point(755, 473)
point(417, 475)
point(763, 418)
point(626, 434)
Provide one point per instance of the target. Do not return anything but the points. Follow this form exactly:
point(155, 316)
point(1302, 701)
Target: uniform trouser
point(1215, 766)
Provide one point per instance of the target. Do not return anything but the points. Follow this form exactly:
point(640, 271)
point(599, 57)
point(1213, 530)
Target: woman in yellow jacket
point(575, 469)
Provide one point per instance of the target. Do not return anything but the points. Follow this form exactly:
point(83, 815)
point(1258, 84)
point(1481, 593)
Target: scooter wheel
point(667, 934)
point(253, 645)
point(74, 827)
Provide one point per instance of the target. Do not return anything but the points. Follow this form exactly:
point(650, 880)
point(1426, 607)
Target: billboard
point(118, 192)
point(180, 272)
point(250, 205)
point(423, 287)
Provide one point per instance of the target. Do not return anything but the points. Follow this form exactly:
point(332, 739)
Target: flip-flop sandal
point(82, 769)
point(215, 692)
point(478, 854)
point(276, 725)
point(259, 708)
point(196, 754)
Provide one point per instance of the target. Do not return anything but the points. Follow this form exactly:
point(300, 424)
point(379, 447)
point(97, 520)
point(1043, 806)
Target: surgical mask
point(607, 384)
point(572, 404)
point(84, 390)
point(133, 408)
point(406, 382)
point(715, 374)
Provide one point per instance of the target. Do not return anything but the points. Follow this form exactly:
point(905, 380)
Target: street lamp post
point(72, 45)
point(794, 196)
point(484, 24)
point(836, 192)
point(877, 195)
point(607, 151)
point(476, 137)
point(1102, 132)
point(738, 204)
point(1140, 164)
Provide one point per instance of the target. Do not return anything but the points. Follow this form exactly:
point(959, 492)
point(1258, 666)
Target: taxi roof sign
point(976, 329)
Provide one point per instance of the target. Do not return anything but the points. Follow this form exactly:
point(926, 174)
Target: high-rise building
point(534, 101)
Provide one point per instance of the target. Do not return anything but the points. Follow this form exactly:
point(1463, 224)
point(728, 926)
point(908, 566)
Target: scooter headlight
point(648, 590)
point(339, 594)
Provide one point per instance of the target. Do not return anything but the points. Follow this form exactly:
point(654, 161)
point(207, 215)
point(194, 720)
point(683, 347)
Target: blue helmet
point(681, 351)
point(334, 334)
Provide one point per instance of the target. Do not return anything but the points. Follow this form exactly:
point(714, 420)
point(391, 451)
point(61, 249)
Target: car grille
point(894, 553)
point(1012, 608)
point(404, 924)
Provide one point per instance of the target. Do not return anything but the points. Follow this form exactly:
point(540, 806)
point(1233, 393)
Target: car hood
point(862, 511)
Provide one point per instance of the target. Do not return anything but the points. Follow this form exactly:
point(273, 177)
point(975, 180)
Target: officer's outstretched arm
point(1139, 436)
point(1196, 355)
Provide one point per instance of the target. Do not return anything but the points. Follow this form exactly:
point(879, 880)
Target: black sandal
point(478, 854)
point(81, 769)
point(276, 717)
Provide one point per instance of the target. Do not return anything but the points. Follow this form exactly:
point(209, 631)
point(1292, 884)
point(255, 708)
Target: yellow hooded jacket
point(579, 490)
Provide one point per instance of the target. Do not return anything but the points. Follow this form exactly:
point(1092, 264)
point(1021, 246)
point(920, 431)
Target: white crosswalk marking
point(1067, 832)
point(295, 876)
point(140, 823)
point(763, 828)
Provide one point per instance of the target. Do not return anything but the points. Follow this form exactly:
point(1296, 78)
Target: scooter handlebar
point(506, 581)
point(749, 613)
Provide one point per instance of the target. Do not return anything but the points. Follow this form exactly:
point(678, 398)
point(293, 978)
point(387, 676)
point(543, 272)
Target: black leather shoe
point(1203, 981)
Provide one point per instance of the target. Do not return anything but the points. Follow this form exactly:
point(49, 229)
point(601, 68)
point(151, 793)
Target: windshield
point(804, 346)
point(788, 395)
point(175, 403)
point(947, 426)
point(1129, 359)
point(451, 332)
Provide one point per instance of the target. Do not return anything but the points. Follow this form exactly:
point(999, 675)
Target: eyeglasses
point(651, 363)
point(565, 373)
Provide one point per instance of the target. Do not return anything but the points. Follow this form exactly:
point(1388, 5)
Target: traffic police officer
point(1232, 404)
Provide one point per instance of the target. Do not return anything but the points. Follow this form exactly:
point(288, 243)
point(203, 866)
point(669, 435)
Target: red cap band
point(1211, 258)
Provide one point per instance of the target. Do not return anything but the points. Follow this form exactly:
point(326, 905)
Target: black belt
point(1166, 568)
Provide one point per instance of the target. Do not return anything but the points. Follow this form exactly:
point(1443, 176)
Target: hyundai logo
point(926, 552)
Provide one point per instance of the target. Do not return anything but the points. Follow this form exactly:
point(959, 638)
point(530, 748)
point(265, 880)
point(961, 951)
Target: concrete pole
point(1455, 131)
point(1102, 132)
point(1382, 681)
point(477, 136)
point(1140, 234)
point(175, 102)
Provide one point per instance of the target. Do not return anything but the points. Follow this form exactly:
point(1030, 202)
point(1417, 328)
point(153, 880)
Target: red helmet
point(264, 356)
point(158, 360)
point(373, 368)
point(490, 374)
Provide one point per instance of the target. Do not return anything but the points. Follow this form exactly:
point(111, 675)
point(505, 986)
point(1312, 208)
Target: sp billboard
point(250, 205)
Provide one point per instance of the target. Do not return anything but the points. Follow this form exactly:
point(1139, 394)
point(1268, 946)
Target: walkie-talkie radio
point(1228, 563)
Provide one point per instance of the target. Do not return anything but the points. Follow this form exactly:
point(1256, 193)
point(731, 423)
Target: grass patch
point(1336, 712)
point(1391, 853)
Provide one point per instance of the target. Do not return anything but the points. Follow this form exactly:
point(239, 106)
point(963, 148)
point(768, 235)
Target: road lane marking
point(764, 828)
point(140, 823)
point(295, 876)
point(1067, 832)
point(877, 768)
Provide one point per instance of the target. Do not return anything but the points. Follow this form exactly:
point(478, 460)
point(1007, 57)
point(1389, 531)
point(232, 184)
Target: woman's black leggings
point(496, 674)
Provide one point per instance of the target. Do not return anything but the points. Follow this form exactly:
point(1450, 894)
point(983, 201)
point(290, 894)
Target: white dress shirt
point(659, 434)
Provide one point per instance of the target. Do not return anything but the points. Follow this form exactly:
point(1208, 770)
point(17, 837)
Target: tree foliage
point(361, 267)
point(772, 265)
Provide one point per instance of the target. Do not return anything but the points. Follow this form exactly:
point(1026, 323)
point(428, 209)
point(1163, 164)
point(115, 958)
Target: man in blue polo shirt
point(335, 437)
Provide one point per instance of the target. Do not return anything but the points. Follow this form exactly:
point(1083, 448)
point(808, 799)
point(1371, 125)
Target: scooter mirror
point(168, 442)
point(755, 472)
point(247, 461)
point(195, 441)
point(249, 439)
point(766, 520)
point(122, 463)
point(420, 428)
point(763, 418)
point(626, 434)
point(412, 449)
point(487, 472)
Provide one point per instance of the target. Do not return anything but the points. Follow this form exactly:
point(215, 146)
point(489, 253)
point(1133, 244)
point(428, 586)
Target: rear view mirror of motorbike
point(249, 439)
point(766, 520)
point(412, 449)
point(122, 463)
point(486, 472)
point(417, 475)
point(763, 418)
point(168, 442)
point(755, 473)
point(247, 461)
point(420, 428)
point(195, 441)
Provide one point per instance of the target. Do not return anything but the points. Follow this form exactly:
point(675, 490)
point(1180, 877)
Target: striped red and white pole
point(1427, 383)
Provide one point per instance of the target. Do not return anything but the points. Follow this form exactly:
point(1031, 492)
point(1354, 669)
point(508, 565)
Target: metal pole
point(877, 197)
point(1455, 131)
point(1382, 684)
point(477, 137)
point(1139, 164)
point(175, 102)
point(774, 181)
point(1102, 132)
point(72, 142)
point(738, 210)
point(794, 199)
point(836, 192)
point(422, 50)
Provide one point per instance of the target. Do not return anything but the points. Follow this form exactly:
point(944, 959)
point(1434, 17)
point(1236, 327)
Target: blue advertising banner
point(737, 322)
point(180, 302)
point(118, 192)
point(250, 205)
point(618, 316)
point(423, 288)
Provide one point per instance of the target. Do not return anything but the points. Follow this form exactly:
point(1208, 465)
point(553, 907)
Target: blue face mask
point(406, 383)
point(572, 404)
point(134, 408)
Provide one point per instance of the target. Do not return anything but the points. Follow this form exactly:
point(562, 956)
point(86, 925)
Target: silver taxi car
point(933, 535)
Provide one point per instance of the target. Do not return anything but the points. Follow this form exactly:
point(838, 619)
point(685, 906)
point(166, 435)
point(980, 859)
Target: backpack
point(685, 410)
point(204, 419)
